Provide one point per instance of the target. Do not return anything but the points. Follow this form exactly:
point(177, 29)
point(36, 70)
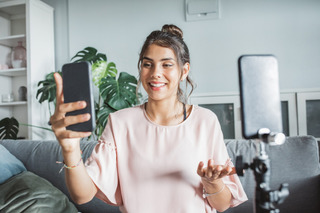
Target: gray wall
point(289, 29)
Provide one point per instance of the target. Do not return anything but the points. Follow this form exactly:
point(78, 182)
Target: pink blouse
point(145, 167)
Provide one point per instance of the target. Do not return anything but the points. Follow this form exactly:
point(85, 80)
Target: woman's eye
point(168, 65)
point(146, 65)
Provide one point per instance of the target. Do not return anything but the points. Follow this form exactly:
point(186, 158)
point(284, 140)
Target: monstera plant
point(114, 93)
point(9, 128)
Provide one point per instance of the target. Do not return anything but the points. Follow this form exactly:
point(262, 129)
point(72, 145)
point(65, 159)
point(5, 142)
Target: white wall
point(289, 29)
point(61, 31)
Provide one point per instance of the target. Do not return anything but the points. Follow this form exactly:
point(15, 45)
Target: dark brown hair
point(170, 36)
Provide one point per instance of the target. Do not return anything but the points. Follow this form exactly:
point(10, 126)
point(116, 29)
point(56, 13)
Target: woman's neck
point(168, 112)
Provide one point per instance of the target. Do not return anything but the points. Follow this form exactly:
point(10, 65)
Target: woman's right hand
point(69, 140)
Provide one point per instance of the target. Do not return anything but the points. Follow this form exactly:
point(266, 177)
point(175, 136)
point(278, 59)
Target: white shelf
point(12, 41)
point(14, 72)
point(14, 103)
point(11, 3)
point(30, 22)
point(12, 8)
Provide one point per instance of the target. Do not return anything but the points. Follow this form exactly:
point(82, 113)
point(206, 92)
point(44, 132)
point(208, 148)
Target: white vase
point(18, 56)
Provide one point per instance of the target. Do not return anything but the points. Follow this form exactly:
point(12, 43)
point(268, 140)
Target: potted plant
point(9, 128)
point(114, 93)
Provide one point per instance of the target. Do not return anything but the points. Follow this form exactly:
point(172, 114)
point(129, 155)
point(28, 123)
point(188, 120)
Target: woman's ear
point(185, 73)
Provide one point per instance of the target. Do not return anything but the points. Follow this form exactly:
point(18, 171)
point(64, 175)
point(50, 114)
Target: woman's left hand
point(212, 172)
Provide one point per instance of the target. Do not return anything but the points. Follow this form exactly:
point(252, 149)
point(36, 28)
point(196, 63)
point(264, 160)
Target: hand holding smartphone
point(77, 86)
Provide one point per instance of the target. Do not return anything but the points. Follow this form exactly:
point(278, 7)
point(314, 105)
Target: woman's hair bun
point(173, 29)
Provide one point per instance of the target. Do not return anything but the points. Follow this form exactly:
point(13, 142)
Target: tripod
point(265, 198)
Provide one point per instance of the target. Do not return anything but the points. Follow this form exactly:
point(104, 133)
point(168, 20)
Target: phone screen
point(259, 94)
point(77, 86)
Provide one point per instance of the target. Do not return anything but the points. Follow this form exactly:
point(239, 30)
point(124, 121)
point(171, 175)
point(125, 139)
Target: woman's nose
point(157, 72)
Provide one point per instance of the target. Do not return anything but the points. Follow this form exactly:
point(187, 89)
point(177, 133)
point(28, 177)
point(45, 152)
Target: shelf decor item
point(6, 98)
point(3, 67)
point(18, 56)
point(22, 93)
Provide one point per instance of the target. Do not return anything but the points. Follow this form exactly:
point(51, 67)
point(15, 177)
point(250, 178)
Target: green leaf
point(102, 118)
point(9, 128)
point(121, 93)
point(48, 90)
point(40, 127)
point(102, 69)
point(111, 70)
point(103, 114)
point(89, 54)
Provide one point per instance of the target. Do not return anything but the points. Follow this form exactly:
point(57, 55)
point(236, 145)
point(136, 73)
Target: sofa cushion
point(27, 192)
point(40, 158)
point(9, 165)
point(295, 162)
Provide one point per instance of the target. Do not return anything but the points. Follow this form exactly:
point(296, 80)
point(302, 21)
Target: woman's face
point(160, 73)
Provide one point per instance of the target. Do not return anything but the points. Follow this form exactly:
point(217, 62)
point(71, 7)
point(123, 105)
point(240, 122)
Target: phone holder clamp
point(265, 198)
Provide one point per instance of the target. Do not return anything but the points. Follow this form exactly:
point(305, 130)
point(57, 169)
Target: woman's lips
point(156, 85)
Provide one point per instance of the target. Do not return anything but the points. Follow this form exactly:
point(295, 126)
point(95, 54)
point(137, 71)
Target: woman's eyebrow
point(146, 58)
point(163, 59)
point(167, 59)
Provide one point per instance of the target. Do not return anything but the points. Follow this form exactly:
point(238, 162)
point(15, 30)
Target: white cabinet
point(309, 113)
point(289, 113)
point(29, 21)
point(300, 112)
point(227, 109)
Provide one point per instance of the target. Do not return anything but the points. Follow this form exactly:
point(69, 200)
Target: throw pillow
point(29, 193)
point(9, 165)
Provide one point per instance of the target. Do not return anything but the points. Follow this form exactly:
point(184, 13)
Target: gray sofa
point(296, 162)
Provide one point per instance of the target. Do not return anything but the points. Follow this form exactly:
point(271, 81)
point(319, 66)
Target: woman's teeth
point(157, 85)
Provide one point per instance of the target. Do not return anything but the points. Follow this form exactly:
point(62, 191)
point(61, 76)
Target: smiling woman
point(175, 54)
point(161, 156)
point(160, 72)
point(164, 62)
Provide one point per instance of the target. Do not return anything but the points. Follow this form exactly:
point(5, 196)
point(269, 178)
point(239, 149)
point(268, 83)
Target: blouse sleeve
point(232, 181)
point(221, 156)
point(102, 168)
point(236, 189)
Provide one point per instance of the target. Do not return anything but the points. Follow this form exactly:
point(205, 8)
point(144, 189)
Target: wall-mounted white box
point(197, 10)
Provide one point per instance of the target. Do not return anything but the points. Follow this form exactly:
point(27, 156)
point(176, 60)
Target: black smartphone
point(259, 94)
point(77, 86)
